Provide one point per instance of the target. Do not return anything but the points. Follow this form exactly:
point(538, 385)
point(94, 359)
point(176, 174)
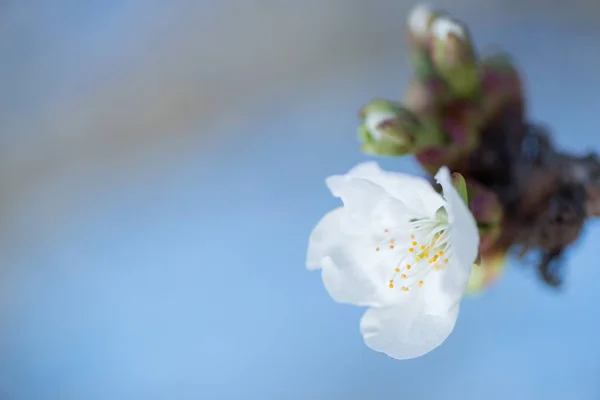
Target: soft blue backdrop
point(180, 274)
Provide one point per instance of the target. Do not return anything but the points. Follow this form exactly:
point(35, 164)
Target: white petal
point(444, 289)
point(465, 235)
point(404, 332)
point(368, 205)
point(414, 191)
point(352, 272)
point(327, 234)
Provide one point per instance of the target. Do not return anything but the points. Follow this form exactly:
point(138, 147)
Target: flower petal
point(368, 205)
point(444, 289)
point(465, 235)
point(415, 192)
point(351, 271)
point(404, 332)
point(327, 234)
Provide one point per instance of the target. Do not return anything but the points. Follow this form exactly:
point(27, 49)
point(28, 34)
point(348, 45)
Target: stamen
point(377, 249)
point(431, 237)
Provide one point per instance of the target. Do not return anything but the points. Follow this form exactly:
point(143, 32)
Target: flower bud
point(388, 128)
point(453, 56)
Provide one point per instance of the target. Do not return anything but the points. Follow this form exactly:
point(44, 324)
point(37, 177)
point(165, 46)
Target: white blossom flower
point(402, 249)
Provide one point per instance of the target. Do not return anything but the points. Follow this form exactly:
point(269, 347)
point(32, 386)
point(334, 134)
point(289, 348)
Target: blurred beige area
point(88, 85)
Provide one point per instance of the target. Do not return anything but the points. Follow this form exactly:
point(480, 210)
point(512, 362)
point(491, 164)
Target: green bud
point(388, 128)
point(454, 58)
point(380, 106)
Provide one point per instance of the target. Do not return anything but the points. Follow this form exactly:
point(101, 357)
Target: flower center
point(425, 248)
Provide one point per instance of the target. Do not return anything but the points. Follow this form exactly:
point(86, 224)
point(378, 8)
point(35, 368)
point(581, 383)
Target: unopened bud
point(453, 56)
point(387, 129)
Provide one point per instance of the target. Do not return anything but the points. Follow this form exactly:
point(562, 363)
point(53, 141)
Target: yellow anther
point(441, 252)
point(445, 261)
point(412, 236)
point(435, 258)
point(420, 283)
point(391, 285)
point(410, 250)
point(377, 249)
point(404, 289)
point(414, 243)
point(397, 270)
point(403, 276)
point(422, 247)
point(391, 246)
point(408, 267)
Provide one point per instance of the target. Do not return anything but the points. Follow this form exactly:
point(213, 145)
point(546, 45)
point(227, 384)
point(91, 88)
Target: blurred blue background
point(163, 163)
